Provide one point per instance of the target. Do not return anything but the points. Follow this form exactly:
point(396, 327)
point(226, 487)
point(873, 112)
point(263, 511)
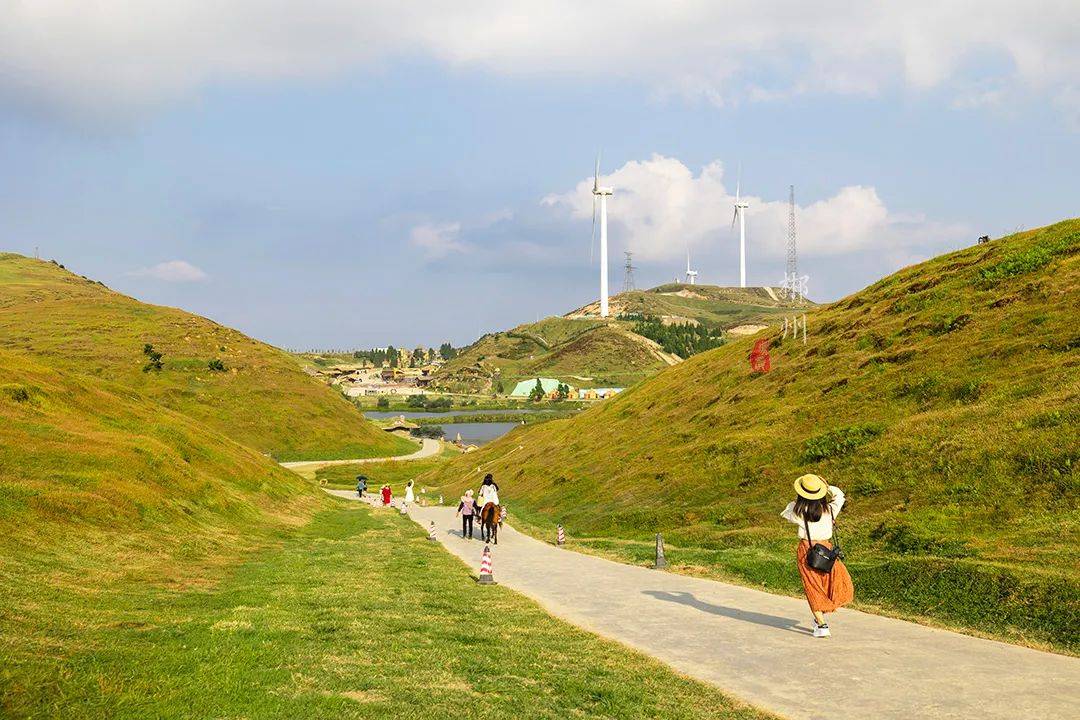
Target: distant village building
point(524, 388)
point(598, 393)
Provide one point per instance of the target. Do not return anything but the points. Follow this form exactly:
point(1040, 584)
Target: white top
point(488, 493)
point(408, 493)
point(823, 528)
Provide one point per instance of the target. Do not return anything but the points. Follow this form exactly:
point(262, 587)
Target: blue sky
point(357, 178)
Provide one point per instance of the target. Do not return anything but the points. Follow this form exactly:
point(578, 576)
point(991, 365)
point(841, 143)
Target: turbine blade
point(735, 216)
point(596, 175)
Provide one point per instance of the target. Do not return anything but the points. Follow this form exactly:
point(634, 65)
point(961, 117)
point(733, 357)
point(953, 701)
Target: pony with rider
point(486, 506)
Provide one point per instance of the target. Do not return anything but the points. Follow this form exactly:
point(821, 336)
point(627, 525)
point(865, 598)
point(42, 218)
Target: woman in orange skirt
point(815, 508)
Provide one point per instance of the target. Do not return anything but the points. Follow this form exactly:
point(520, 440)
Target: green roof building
point(523, 388)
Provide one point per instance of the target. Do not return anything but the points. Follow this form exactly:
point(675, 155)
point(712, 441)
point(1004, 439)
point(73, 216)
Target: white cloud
point(113, 55)
point(660, 207)
point(174, 271)
point(437, 240)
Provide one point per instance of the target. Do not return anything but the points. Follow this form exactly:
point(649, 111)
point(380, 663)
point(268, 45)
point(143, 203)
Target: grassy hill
point(262, 399)
point(945, 399)
point(584, 350)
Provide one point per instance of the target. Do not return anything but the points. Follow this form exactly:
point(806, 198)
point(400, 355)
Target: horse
point(489, 523)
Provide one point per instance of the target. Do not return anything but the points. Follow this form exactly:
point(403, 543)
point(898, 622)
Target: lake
point(387, 415)
point(478, 433)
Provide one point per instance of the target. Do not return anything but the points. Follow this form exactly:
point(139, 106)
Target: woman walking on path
point(409, 492)
point(386, 494)
point(465, 509)
point(815, 508)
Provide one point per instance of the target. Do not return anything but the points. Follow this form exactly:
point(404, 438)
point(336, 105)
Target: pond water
point(478, 433)
point(386, 415)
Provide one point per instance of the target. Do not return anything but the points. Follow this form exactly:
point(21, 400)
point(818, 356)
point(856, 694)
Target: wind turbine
point(691, 275)
point(740, 215)
point(603, 193)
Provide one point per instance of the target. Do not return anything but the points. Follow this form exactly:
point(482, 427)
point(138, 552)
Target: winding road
point(758, 647)
point(427, 449)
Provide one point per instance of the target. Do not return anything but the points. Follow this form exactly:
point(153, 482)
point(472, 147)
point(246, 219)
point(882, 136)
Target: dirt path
point(758, 646)
point(308, 467)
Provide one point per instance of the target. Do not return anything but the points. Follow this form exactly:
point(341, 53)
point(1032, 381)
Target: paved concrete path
point(428, 448)
point(758, 646)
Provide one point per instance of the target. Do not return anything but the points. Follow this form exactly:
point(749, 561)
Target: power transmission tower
point(628, 275)
point(792, 254)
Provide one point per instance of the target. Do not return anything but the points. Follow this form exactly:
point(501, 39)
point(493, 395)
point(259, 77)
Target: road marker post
point(560, 536)
point(486, 578)
point(661, 561)
point(431, 532)
point(403, 510)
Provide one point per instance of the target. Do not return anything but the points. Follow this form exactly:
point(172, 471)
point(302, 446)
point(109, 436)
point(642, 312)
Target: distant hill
point(944, 398)
point(584, 350)
point(262, 399)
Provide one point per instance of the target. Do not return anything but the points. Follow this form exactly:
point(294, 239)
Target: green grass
point(572, 348)
point(262, 400)
point(941, 398)
point(354, 615)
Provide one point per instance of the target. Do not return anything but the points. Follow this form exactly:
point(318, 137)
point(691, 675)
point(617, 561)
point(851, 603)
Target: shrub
point(216, 365)
point(967, 391)
point(153, 362)
point(1027, 260)
point(428, 431)
point(947, 323)
point(922, 389)
point(839, 442)
point(382, 403)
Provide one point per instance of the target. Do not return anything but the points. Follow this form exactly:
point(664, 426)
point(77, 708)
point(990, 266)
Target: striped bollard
point(486, 577)
point(403, 510)
point(440, 499)
point(560, 537)
point(431, 532)
point(502, 515)
point(661, 562)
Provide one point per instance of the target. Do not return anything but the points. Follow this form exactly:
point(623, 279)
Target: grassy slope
point(945, 399)
point(291, 633)
point(573, 347)
point(554, 347)
point(264, 400)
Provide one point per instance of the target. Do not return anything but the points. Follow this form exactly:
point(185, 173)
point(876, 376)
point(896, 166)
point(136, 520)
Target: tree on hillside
point(537, 393)
point(563, 391)
point(447, 351)
point(382, 403)
point(153, 358)
point(392, 356)
point(417, 358)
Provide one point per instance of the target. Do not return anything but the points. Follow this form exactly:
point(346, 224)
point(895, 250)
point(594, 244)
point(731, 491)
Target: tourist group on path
point(819, 560)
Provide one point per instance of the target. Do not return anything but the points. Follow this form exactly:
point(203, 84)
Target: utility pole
point(628, 275)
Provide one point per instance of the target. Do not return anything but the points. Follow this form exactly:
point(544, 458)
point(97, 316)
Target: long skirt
point(824, 591)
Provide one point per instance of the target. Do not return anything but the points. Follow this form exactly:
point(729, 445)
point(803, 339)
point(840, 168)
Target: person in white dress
point(489, 491)
point(409, 492)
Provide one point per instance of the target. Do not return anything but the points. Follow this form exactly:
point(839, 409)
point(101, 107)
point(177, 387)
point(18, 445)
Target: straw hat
point(468, 493)
point(811, 487)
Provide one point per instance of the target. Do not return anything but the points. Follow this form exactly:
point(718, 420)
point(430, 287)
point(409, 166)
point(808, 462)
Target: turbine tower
point(740, 215)
point(603, 193)
point(691, 275)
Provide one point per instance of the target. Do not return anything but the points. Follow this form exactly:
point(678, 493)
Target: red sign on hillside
point(759, 357)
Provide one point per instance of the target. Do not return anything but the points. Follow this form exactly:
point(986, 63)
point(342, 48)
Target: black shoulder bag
point(819, 557)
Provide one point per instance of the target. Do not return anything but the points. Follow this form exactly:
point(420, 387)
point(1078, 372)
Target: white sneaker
point(821, 630)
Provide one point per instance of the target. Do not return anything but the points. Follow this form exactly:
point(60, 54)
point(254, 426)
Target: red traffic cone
point(485, 568)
